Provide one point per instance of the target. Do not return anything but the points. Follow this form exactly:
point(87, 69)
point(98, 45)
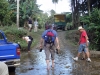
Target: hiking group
point(50, 43)
point(32, 24)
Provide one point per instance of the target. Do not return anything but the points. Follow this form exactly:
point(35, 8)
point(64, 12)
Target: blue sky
point(62, 6)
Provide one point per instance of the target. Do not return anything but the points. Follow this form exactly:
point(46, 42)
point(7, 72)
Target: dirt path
point(82, 67)
point(34, 63)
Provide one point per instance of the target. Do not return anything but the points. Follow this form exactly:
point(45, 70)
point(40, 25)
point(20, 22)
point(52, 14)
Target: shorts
point(82, 47)
point(49, 51)
point(30, 25)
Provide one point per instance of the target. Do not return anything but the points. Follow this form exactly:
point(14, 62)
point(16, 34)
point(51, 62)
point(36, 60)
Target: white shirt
point(27, 38)
point(35, 23)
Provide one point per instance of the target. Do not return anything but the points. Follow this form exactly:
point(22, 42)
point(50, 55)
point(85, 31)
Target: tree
point(5, 18)
point(83, 11)
point(75, 12)
point(42, 19)
point(55, 1)
point(28, 8)
point(52, 12)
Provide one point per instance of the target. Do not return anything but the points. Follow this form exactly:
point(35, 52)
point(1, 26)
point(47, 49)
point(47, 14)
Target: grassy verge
point(72, 36)
point(14, 34)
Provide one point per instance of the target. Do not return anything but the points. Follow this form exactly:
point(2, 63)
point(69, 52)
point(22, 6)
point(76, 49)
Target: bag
point(30, 37)
point(49, 37)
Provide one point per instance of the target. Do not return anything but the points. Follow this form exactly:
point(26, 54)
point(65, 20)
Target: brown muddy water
point(33, 63)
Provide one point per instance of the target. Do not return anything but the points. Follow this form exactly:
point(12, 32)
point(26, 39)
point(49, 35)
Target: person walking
point(49, 44)
point(35, 26)
point(30, 23)
point(46, 25)
point(3, 69)
point(29, 40)
point(83, 44)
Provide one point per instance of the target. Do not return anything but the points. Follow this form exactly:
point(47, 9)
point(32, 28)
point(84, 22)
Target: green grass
point(72, 36)
point(14, 34)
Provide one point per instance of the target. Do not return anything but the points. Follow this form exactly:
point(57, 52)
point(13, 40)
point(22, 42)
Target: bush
point(15, 35)
point(93, 28)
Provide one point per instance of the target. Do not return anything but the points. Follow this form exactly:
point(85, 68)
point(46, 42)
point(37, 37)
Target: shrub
point(93, 28)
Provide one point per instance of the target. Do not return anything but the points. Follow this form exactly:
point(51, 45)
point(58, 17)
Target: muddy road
point(34, 63)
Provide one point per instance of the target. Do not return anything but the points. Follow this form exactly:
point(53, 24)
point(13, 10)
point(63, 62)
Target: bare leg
point(87, 53)
point(53, 63)
point(83, 55)
point(78, 54)
point(47, 61)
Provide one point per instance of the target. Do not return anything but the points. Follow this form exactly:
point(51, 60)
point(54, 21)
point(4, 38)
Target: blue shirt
point(45, 32)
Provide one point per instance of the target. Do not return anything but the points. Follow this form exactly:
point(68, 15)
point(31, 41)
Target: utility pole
point(18, 14)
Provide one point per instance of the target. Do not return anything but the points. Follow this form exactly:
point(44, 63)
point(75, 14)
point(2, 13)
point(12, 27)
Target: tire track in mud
point(82, 67)
point(65, 56)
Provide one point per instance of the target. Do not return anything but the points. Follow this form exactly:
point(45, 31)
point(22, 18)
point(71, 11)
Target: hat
point(80, 27)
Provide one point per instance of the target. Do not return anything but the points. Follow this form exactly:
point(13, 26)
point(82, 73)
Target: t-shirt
point(35, 23)
point(27, 38)
point(82, 37)
point(30, 21)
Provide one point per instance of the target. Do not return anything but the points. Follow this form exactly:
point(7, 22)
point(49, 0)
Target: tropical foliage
point(87, 14)
point(94, 29)
point(82, 8)
point(5, 13)
point(28, 8)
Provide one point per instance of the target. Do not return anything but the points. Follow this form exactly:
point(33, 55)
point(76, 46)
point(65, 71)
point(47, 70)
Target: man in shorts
point(83, 44)
point(30, 23)
point(49, 50)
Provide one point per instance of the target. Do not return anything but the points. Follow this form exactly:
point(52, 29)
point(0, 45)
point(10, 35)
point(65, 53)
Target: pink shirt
point(83, 37)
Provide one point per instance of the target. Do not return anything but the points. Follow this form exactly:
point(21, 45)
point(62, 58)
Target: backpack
point(49, 37)
point(30, 37)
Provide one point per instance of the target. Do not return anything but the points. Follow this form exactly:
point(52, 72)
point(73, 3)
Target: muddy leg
point(47, 61)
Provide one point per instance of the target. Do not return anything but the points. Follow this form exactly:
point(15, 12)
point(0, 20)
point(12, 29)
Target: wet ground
point(34, 63)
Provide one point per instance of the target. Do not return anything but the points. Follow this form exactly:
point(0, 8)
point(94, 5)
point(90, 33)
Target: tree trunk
point(72, 5)
point(88, 1)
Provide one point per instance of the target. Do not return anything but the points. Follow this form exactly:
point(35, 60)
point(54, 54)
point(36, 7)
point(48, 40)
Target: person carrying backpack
point(49, 41)
point(29, 40)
